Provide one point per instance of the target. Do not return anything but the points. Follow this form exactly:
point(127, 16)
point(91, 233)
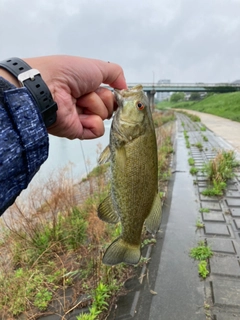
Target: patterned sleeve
point(23, 142)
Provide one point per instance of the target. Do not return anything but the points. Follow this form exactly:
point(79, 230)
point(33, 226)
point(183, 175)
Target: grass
point(191, 161)
point(57, 242)
point(226, 105)
point(165, 149)
point(218, 171)
point(199, 146)
point(199, 224)
point(201, 253)
point(186, 136)
point(160, 118)
point(194, 170)
point(59, 247)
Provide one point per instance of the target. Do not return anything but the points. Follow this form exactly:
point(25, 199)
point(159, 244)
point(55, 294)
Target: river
point(79, 156)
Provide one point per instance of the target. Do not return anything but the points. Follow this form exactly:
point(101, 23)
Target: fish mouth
point(125, 93)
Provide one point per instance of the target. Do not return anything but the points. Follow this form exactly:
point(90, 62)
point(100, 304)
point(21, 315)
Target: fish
point(133, 199)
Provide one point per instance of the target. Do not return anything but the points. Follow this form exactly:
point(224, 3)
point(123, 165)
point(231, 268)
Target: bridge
point(189, 87)
point(152, 88)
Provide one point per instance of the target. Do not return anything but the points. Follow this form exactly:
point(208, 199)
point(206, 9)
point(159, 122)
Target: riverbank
point(54, 249)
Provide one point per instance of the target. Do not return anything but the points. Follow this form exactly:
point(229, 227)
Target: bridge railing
point(197, 84)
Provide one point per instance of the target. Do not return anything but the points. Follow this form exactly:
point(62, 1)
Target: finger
point(112, 74)
point(100, 104)
point(108, 99)
point(92, 126)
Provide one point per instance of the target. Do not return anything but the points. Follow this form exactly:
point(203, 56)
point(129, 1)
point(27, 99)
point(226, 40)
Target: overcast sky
point(180, 40)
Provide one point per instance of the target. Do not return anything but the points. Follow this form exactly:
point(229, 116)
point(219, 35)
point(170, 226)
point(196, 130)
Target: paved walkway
point(227, 129)
point(172, 289)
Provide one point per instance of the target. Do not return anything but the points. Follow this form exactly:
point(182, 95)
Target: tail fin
point(120, 251)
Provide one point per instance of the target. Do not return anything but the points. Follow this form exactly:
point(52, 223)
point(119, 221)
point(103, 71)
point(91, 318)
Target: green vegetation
point(205, 138)
point(165, 149)
point(194, 170)
point(218, 171)
point(160, 118)
point(202, 269)
point(199, 224)
point(199, 146)
point(204, 210)
point(215, 190)
point(202, 253)
point(177, 96)
point(57, 242)
point(195, 96)
point(100, 297)
point(59, 247)
point(191, 161)
point(203, 128)
point(186, 136)
point(226, 105)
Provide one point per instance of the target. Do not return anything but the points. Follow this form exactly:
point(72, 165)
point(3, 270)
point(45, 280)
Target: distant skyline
point(181, 40)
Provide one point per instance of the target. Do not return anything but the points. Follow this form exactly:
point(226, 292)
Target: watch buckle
point(27, 75)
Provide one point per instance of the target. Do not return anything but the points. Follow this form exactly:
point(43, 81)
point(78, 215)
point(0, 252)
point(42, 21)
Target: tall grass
point(57, 241)
point(53, 245)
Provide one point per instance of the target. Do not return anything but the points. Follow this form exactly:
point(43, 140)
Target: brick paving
point(221, 229)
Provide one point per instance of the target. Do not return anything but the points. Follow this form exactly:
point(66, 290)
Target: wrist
point(32, 80)
point(9, 77)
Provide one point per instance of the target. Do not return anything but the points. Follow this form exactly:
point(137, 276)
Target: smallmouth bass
point(134, 197)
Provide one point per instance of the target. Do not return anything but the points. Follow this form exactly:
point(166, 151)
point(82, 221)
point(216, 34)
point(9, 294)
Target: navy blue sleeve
point(23, 142)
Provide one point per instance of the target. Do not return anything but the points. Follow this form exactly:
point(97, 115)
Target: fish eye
point(140, 105)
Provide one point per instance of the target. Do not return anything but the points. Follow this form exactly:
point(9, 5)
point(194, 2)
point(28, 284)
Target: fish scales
point(134, 188)
point(134, 195)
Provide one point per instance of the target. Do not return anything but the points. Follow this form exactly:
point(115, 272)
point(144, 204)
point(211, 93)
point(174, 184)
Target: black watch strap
point(32, 80)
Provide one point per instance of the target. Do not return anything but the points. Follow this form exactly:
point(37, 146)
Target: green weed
point(215, 190)
point(201, 252)
point(204, 210)
point(191, 161)
point(202, 269)
point(199, 146)
point(218, 171)
point(194, 170)
point(199, 224)
point(100, 296)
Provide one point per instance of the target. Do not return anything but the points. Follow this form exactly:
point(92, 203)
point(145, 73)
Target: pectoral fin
point(107, 212)
point(105, 156)
point(154, 219)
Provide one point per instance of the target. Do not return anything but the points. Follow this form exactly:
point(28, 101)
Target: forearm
point(23, 141)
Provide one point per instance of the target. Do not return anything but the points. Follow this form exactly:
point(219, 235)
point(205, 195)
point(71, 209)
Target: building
point(163, 95)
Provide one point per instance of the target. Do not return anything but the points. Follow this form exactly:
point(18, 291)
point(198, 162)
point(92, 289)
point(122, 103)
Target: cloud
point(181, 40)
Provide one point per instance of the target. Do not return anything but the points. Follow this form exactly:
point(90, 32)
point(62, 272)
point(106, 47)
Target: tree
point(177, 96)
point(195, 96)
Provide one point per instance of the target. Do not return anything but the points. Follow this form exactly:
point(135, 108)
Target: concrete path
point(172, 289)
point(225, 129)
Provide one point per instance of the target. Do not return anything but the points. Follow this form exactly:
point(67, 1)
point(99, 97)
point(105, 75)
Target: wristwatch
point(32, 80)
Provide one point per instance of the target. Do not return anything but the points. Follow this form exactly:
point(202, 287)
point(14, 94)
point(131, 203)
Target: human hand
point(74, 83)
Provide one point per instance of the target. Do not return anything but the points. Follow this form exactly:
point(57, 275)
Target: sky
point(182, 40)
